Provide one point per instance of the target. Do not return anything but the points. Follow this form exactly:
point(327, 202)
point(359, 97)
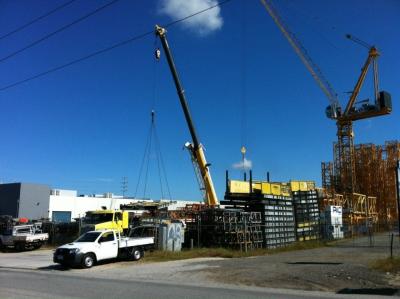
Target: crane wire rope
point(148, 155)
point(160, 161)
point(154, 145)
point(243, 92)
point(47, 36)
point(37, 19)
point(107, 49)
point(142, 163)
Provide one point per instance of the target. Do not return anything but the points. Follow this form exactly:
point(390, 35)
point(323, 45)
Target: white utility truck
point(95, 246)
point(22, 237)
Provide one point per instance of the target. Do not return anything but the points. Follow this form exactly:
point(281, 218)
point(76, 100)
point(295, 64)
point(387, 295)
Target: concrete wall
point(34, 201)
point(9, 198)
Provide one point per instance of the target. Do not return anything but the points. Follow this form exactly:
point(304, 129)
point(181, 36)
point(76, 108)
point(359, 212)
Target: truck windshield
point(23, 230)
point(89, 237)
point(97, 218)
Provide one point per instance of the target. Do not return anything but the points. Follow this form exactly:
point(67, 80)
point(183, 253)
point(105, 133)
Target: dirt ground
point(342, 267)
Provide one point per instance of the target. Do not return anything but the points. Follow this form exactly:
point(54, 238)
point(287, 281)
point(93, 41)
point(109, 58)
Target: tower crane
point(195, 147)
point(344, 163)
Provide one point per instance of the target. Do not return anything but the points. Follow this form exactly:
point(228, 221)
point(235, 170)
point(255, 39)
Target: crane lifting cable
point(243, 93)
point(153, 148)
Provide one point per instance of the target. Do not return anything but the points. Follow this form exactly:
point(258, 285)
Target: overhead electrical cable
point(36, 19)
point(101, 51)
point(47, 36)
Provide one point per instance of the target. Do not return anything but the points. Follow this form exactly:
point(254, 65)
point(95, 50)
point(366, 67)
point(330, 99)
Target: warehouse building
point(24, 200)
point(37, 201)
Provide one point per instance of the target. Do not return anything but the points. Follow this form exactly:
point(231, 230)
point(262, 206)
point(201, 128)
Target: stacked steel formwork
point(215, 227)
point(306, 215)
point(231, 228)
point(276, 212)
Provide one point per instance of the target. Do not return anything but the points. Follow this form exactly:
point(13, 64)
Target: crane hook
point(157, 53)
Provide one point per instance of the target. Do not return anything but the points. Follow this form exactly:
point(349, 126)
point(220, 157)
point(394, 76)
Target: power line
point(78, 60)
point(117, 45)
point(37, 19)
point(47, 36)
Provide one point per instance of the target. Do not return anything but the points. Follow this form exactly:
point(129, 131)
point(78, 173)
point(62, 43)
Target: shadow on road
point(54, 267)
point(313, 263)
point(366, 291)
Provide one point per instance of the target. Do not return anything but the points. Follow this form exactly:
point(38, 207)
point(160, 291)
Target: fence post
point(391, 246)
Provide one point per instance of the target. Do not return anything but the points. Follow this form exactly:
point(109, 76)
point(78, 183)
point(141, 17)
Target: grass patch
point(387, 264)
point(163, 256)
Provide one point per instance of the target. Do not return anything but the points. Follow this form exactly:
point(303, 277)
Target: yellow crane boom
point(195, 148)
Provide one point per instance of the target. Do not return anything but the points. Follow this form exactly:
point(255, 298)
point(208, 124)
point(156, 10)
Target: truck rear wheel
point(19, 246)
point(37, 245)
point(135, 254)
point(88, 260)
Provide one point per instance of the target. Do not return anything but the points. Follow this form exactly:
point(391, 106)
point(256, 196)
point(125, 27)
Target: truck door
point(108, 246)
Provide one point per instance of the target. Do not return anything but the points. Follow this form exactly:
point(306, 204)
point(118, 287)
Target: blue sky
point(85, 127)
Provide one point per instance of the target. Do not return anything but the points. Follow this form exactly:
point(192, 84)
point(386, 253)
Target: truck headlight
point(74, 250)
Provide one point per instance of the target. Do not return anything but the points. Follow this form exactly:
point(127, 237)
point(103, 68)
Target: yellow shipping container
point(285, 189)
point(239, 187)
point(311, 185)
point(302, 185)
point(265, 188)
point(275, 189)
point(294, 185)
point(257, 186)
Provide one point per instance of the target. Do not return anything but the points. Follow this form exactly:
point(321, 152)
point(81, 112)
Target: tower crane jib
point(306, 59)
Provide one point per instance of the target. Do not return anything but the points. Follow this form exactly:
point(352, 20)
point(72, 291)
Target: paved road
point(39, 284)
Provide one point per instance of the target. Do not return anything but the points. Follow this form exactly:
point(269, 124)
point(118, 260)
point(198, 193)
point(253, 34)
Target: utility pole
point(124, 185)
point(398, 192)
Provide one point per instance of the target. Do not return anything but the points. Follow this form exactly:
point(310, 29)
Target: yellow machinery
point(106, 219)
point(344, 149)
point(195, 148)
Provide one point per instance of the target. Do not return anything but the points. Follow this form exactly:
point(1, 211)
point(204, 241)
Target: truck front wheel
point(88, 260)
point(135, 254)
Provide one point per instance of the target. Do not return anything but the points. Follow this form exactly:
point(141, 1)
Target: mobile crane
point(345, 180)
point(195, 147)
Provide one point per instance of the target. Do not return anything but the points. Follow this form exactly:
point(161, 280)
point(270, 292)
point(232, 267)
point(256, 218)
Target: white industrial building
point(65, 205)
point(36, 201)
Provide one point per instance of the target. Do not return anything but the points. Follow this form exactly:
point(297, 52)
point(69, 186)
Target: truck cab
point(106, 219)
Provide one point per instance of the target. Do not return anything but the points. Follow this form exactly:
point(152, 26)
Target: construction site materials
point(275, 204)
point(306, 215)
point(375, 169)
point(230, 228)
